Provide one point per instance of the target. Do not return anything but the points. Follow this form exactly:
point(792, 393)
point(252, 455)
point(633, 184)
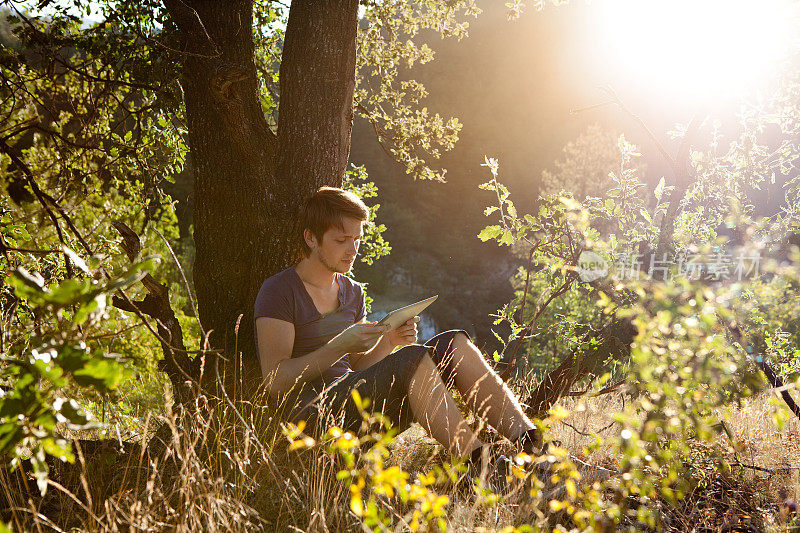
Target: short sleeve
point(361, 309)
point(274, 300)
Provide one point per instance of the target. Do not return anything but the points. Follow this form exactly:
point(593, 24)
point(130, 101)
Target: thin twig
point(579, 432)
point(605, 390)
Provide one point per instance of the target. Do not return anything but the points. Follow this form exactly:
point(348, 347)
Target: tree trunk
point(318, 71)
point(246, 187)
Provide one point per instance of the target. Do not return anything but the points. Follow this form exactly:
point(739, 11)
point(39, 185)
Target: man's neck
point(315, 273)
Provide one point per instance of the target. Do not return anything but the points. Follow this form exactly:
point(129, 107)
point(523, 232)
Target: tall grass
point(212, 469)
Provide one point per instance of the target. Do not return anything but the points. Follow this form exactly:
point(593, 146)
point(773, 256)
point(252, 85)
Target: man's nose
point(353, 248)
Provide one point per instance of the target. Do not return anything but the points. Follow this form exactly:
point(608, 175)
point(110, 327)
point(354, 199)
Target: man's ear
point(309, 237)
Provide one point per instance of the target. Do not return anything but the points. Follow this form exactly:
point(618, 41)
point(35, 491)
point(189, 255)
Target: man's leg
point(485, 393)
point(437, 412)
point(405, 387)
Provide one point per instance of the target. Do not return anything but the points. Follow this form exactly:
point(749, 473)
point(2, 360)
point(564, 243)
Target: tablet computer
point(398, 317)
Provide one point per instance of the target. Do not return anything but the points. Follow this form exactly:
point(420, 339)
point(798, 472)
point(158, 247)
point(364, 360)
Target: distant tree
point(585, 165)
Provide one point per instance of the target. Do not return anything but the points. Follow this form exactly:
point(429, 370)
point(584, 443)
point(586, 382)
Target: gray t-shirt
point(283, 296)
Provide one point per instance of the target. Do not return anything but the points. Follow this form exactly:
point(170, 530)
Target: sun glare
point(700, 48)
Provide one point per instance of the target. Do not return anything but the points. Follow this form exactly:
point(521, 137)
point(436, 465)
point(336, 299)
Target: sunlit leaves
point(390, 42)
point(683, 366)
point(490, 232)
point(32, 403)
point(373, 245)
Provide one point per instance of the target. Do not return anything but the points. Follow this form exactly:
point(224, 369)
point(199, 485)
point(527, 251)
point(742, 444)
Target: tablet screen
point(398, 317)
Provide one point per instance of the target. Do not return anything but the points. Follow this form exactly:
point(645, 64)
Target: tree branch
point(176, 363)
point(612, 341)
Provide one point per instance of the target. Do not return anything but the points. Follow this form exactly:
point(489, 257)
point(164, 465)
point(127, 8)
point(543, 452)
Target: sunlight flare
point(700, 48)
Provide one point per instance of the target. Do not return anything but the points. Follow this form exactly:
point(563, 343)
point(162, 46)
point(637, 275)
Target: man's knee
point(459, 352)
point(447, 343)
point(415, 360)
point(461, 339)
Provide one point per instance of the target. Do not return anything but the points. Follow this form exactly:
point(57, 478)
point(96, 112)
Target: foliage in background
point(389, 43)
point(686, 365)
point(374, 246)
point(59, 354)
point(585, 165)
point(86, 141)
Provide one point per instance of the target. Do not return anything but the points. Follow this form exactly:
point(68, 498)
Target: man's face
point(339, 247)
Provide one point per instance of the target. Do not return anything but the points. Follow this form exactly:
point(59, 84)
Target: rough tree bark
point(248, 181)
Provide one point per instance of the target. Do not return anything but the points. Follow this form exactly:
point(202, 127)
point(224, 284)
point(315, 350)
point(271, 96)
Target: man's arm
point(283, 372)
point(363, 360)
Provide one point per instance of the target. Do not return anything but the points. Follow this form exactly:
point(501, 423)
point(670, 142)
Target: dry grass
point(770, 457)
point(227, 472)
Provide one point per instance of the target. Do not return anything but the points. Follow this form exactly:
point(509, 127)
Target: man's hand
point(405, 334)
point(359, 337)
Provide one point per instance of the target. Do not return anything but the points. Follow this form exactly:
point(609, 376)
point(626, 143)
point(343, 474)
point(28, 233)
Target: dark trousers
point(385, 384)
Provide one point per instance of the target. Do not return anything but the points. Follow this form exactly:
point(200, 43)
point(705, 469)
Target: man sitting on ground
point(315, 346)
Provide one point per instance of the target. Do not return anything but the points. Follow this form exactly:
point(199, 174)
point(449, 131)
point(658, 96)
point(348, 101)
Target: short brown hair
point(325, 209)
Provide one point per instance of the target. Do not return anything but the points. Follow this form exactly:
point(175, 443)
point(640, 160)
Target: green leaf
point(659, 189)
point(72, 358)
point(85, 310)
point(75, 258)
point(490, 232)
point(512, 211)
point(58, 448)
point(489, 210)
point(133, 274)
point(102, 374)
point(20, 233)
point(507, 238)
point(69, 291)
point(10, 435)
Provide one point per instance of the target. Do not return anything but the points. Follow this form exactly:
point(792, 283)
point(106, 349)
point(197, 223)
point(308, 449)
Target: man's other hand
point(405, 334)
point(359, 337)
